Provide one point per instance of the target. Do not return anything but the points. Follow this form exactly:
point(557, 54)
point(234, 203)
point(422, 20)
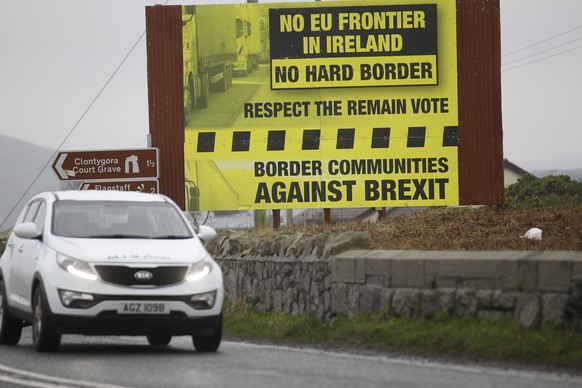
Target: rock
point(528, 311)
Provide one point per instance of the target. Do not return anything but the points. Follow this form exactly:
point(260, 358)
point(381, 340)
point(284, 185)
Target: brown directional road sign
point(144, 186)
point(107, 164)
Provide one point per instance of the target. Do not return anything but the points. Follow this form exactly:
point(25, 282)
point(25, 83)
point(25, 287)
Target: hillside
point(21, 163)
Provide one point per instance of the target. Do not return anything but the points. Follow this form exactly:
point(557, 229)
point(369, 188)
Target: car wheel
point(204, 342)
point(44, 332)
point(159, 339)
point(10, 327)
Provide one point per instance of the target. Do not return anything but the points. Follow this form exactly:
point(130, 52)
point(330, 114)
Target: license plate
point(155, 308)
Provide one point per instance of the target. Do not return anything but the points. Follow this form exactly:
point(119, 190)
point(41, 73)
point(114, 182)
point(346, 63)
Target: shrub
point(549, 191)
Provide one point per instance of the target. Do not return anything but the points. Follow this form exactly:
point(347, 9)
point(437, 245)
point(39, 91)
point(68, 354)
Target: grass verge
point(444, 336)
point(473, 229)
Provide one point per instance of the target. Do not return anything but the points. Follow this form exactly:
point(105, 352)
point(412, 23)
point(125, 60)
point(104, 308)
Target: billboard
point(320, 105)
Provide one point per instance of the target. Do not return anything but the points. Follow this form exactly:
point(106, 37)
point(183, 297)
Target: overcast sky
point(56, 56)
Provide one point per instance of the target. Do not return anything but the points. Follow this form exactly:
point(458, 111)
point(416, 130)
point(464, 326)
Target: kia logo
point(143, 275)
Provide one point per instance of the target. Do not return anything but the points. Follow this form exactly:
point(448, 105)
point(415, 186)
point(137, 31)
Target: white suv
point(109, 263)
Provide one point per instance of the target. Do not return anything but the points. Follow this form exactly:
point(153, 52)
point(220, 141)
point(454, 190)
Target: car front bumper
point(174, 324)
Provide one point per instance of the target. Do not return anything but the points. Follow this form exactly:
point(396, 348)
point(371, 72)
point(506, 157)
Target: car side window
point(36, 212)
point(31, 211)
point(40, 216)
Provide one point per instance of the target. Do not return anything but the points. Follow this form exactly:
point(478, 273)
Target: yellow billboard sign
point(321, 105)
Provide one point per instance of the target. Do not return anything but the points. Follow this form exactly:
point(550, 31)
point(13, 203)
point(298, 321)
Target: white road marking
point(46, 381)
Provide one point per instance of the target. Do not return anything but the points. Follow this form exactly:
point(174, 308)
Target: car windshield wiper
point(162, 237)
point(171, 237)
point(118, 236)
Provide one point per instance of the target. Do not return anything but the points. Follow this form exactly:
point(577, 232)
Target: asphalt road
point(107, 362)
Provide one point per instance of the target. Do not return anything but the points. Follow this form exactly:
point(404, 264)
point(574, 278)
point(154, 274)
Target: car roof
point(108, 195)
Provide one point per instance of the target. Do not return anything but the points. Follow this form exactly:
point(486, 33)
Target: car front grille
point(126, 276)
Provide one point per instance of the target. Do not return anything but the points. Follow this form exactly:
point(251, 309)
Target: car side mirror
point(27, 230)
point(206, 233)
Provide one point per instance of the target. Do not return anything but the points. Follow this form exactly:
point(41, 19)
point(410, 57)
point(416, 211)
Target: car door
point(26, 254)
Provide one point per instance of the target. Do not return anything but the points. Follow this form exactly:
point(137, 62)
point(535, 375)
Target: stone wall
point(283, 273)
point(335, 273)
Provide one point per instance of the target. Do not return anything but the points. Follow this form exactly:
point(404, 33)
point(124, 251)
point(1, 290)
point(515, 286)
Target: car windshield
point(117, 219)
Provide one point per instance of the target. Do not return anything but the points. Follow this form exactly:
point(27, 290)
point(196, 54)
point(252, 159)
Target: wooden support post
point(276, 219)
point(327, 216)
point(382, 214)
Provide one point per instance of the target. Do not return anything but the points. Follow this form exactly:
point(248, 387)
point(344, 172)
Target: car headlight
point(200, 270)
point(76, 267)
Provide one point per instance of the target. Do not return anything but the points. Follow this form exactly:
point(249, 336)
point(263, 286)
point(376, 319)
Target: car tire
point(159, 339)
point(10, 327)
point(209, 343)
point(44, 332)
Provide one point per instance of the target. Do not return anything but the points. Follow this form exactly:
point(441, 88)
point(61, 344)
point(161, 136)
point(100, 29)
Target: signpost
point(122, 170)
